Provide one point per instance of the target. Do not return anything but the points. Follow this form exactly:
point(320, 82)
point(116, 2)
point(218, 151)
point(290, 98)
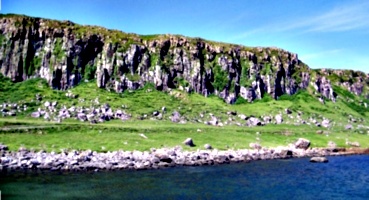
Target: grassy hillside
point(23, 130)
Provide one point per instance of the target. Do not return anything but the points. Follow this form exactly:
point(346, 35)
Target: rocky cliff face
point(66, 54)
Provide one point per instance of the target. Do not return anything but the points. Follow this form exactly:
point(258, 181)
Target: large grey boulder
point(302, 143)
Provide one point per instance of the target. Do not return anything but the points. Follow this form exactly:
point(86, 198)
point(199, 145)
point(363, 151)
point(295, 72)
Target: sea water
point(343, 177)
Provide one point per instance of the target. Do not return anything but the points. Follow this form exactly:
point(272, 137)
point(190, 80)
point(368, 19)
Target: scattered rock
point(213, 121)
point(3, 147)
point(288, 111)
point(38, 97)
point(348, 127)
point(142, 135)
point(267, 119)
point(302, 143)
point(242, 116)
point(253, 121)
point(319, 160)
point(208, 146)
point(176, 117)
point(278, 119)
point(189, 142)
point(155, 113)
point(35, 114)
point(325, 123)
point(54, 103)
point(47, 104)
point(353, 144)
point(234, 113)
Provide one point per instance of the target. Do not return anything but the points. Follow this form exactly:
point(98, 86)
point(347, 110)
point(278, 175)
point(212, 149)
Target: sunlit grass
point(114, 135)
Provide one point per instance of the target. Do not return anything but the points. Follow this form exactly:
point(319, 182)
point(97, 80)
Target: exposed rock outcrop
point(65, 54)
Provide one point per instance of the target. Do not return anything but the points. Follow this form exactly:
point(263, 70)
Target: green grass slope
point(39, 134)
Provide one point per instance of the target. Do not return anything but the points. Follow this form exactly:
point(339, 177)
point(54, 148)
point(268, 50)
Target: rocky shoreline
point(154, 159)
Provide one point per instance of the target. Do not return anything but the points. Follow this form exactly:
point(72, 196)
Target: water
point(341, 178)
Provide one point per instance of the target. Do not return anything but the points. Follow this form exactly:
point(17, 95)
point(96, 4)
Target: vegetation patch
point(90, 71)
point(220, 77)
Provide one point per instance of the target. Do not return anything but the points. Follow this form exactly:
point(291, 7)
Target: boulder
point(348, 127)
point(288, 111)
point(285, 154)
point(189, 142)
point(35, 114)
point(278, 119)
point(302, 143)
point(319, 160)
point(253, 121)
point(47, 116)
point(242, 116)
point(143, 135)
point(54, 103)
point(208, 146)
point(176, 117)
point(155, 113)
point(3, 147)
point(213, 121)
point(47, 104)
point(82, 116)
point(12, 113)
point(234, 113)
point(353, 144)
point(267, 119)
point(325, 123)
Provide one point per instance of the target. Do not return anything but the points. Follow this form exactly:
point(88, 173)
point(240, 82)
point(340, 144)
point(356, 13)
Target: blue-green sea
point(343, 177)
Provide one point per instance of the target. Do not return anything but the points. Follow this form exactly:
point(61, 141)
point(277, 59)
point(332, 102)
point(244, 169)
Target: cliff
point(65, 54)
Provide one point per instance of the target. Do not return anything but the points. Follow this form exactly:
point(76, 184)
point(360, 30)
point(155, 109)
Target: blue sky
point(325, 34)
